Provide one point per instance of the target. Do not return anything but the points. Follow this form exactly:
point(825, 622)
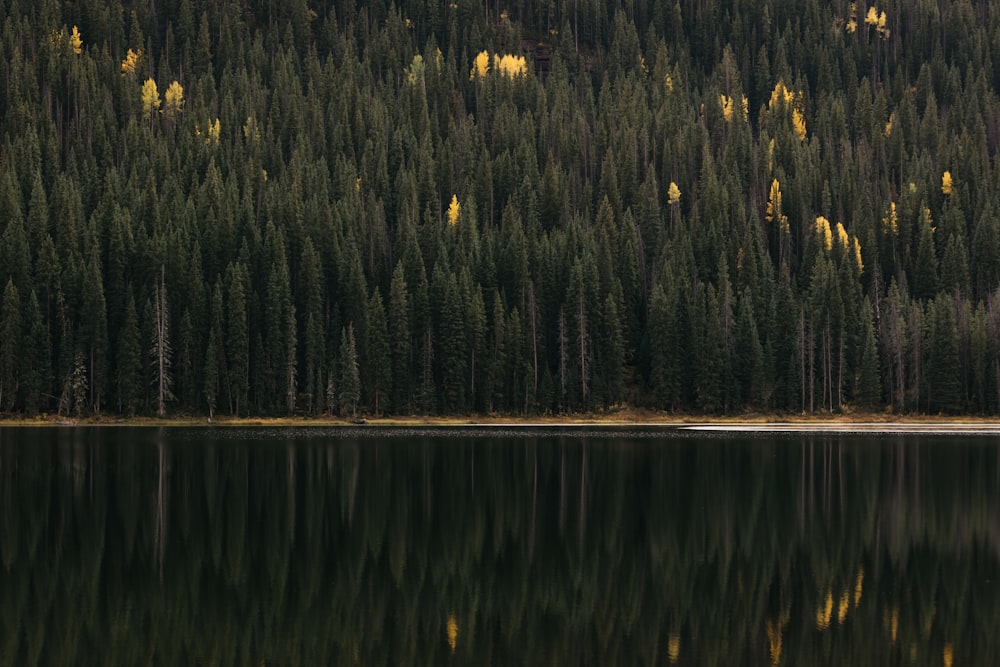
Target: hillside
point(289, 207)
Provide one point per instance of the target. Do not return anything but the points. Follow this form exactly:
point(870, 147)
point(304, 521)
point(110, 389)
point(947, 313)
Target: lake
point(243, 546)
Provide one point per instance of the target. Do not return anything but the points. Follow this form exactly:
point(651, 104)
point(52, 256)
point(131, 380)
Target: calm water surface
point(125, 546)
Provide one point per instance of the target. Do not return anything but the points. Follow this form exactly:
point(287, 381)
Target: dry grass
point(619, 416)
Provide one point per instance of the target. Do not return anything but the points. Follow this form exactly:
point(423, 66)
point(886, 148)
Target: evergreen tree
point(10, 346)
point(349, 381)
point(129, 379)
point(379, 372)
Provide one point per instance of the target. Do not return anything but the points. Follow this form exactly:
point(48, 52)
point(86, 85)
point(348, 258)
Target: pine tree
point(10, 346)
point(161, 350)
point(36, 365)
point(398, 327)
point(869, 391)
point(379, 372)
point(349, 381)
point(129, 377)
point(237, 341)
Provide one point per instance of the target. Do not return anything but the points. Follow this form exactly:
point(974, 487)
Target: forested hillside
point(278, 207)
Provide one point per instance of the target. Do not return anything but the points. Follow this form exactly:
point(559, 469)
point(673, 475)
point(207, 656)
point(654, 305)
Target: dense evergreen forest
point(300, 207)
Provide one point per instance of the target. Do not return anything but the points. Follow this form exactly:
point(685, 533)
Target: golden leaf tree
point(673, 194)
point(946, 183)
point(174, 98)
point(480, 66)
point(131, 62)
point(454, 210)
point(150, 97)
point(76, 41)
point(823, 230)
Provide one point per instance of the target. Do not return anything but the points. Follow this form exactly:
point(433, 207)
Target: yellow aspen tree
point(889, 123)
point(150, 97)
point(174, 98)
point(726, 102)
point(673, 194)
point(857, 256)
point(773, 213)
point(880, 26)
point(75, 41)
point(131, 62)
point(823, 229)
point(746, 109)
point(946, 183)
point(480, 66)
point(510, 66)
point(890, 222)
point(852, 19)
point(799, 124)
point(454, 210)
point(842, 237)
point(214, 129)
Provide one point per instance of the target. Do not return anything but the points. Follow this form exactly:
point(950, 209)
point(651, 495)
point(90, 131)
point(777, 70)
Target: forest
point(306, 207)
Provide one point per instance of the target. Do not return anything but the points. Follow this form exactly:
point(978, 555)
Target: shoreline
point(751, 423)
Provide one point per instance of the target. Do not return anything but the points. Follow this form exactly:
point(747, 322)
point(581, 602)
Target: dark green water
point(126, 546)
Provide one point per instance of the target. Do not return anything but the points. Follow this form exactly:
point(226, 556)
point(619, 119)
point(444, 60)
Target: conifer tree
point(10, 344)
point(349, 381)
point(129, 377)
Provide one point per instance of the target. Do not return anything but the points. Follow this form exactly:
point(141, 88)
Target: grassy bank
point(620, 417)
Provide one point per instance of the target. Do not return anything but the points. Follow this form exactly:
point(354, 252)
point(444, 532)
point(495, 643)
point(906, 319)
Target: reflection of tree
point(542, 550)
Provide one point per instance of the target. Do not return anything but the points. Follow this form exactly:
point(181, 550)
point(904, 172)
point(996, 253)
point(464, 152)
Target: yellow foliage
point(823, 229)
point(480, 66)
point(891, 619)
point(214, 129)
point(825, 612)
point(668, 81)
point(845, 241)
point(877, 20)
point(642, 66)
point(861, 268)
point(673, 194)
point(174, 98)
point(946, 184)
point(415, 72)
point(852, 26)
point(890, 222)
point(251, 130)
point(780, 96)
point(948, 655)
point(511, 66)
point(799, 124)
point(783, 98)
point(842, 607)
point(889, 123)
point(454, 210)
point(75, 41)
point(726, 102)
point(774, 641)
point(773, 213)
point(452, 632)
point(746, 109)
point(150, 97)
point(131, 62)
point(773, 201)
point(673, 647)
point(859, 582)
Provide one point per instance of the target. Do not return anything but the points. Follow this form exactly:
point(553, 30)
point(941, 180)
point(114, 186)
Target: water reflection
point(129, 546)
